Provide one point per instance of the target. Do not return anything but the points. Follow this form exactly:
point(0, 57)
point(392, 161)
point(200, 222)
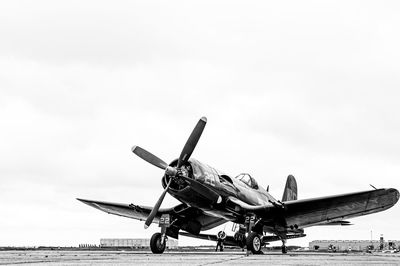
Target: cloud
point(308, 89)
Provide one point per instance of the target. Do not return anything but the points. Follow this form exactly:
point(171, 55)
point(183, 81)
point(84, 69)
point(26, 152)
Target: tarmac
point(90, 257)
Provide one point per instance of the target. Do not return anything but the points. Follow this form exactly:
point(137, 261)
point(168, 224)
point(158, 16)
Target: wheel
point(284, 249)
point(253, 243)
point(155, 244)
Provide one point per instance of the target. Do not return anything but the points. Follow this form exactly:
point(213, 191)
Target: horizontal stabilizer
point(228, 241)
point(231, 241)
point(272, 238)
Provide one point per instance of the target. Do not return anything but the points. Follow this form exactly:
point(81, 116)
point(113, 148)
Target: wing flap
point(342, 223)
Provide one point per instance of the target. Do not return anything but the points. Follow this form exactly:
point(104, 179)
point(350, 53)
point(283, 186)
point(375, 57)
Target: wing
point(304, 213)
point(188, 218)
point(319, 211)
point(126, 210)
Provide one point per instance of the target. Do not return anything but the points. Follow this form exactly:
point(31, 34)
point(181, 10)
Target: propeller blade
point(154, 211)
point(149, 157)
point(192, 142)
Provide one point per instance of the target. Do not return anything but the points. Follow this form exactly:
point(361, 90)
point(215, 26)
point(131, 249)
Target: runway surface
point(40, 257)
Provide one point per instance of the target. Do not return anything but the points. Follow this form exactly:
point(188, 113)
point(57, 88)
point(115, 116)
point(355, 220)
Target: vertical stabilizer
point(290, 192)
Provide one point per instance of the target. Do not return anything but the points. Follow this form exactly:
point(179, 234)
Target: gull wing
point(126, 210)
point(319, 211)
point(315, 211)
point(182, 212)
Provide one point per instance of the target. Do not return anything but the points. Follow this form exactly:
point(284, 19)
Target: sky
point(305, 88)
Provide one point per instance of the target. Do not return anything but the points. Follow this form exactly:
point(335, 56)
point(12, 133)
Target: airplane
point(210, 198)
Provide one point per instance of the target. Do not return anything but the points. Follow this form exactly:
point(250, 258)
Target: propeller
point(192, 141)
point(154, 211)
point(169, 170)
point(149, 157)
point(154, 160)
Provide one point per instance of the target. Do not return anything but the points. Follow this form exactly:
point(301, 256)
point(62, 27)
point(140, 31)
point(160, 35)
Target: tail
point(290, 192)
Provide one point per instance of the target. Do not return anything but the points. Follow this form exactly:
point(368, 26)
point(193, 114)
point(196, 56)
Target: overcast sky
point(303, 88)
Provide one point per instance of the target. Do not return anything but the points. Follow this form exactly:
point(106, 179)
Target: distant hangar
point(354, 245)
point(133, 243)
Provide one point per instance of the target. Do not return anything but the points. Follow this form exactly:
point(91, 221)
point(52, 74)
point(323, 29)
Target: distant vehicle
point(210, 198)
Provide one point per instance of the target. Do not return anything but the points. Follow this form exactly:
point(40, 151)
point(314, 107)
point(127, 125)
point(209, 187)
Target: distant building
point(133, 242)
point(353, 245)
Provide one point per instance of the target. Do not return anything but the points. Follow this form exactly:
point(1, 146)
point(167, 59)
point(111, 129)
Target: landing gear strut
point(158, 241)
point(253, 240)
point(284, 248)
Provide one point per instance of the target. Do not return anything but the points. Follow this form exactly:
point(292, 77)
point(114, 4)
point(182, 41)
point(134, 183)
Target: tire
point(284, 249)
point(253, 243)
point(155, 244)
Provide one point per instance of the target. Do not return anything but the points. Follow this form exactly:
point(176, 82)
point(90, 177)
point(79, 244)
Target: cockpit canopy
point(248, 180)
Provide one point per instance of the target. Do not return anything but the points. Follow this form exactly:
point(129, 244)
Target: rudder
point(290, 192)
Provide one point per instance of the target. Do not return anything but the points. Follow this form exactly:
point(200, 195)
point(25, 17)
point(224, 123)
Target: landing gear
point(253, 243)
point(157, 243)
point(284, 248)
point(253, 240)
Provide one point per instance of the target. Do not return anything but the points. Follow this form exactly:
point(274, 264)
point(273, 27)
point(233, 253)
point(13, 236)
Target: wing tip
point(88, 202)
point(396, 194)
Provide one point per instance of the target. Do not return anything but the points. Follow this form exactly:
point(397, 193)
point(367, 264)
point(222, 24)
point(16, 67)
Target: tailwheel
point(157, 244)
point(253, 243)
point(284, 249)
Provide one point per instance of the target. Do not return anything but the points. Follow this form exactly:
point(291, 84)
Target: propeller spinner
point(169, 170)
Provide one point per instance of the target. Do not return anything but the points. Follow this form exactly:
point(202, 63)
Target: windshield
point(248, 180)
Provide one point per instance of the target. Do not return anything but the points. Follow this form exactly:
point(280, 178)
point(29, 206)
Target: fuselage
point(242, 187)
